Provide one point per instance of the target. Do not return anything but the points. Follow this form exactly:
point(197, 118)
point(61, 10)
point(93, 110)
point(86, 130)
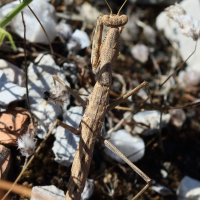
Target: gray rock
point(12, 72)
point(64, 30)
point(66, 142)
point(188, 189)
point(47, 114)
point(82, 37)
point(9, 91)
point(149, 121)
point(127, 144)
point(47, 192)
point(140, 52)
point(88, 189)
point(71, 70)
point(192, 78)
point(183, 44)
point(161, 189)
point(89, 13)
point(34, 32)
point(53, 193)
point(40, 79)
point(156, 2)
point(178, 117)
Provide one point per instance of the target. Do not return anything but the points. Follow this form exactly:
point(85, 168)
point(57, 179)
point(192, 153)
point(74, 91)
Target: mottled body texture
point(94, 115)
point(112, 21)
point(96, 43)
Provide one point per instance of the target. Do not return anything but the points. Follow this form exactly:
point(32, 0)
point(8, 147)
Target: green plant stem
point(13, 13)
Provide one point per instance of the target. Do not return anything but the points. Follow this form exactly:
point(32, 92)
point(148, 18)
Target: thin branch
point(26, 70)
point(51, 48)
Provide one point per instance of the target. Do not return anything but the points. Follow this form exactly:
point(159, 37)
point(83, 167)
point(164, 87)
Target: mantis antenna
point(109, 7)
point(121, 7)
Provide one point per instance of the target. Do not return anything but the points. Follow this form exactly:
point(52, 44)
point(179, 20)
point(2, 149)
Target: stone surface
point(64, 30)
point(161, 189)
point(47, 192)
point(188, 189)
point(34, 32)
point(5, 161)
point(66, 142)
point(178, 117)
point(89, 12)
point(47, 114)
point(9, 91)
point(53, 193)
point(156, 2)
point(140, 52)
point(82, 37)
point(88, 189)
point(71, 71)
point(191, 78)
point(12, 72)
point(16, 122)
point(127, 144)
point(179, 41)
point(40, 77)
point(151, 120)
point(40, 80)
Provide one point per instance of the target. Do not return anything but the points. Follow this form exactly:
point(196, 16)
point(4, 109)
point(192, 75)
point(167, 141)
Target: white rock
point(155, 2)
point(192, 78)
point(161, 189)
point(73, 45)
point(82, 37)
point(140, 52)
point(66, 142)
point(88, 189)
point(50, 192)
point(173, 33)
point(89, 12)
point(178, 117)
point(34, 32)
point(188, 78)
point(130, 32)
point(152, 121)
point(149, 34)
point(188, 189)
point(83, 93)
point(9, 92)
point(142, 94)
point(127, 118)
point(167, 86)
point(42, 131)
point(163, 173)
point(40, 79)
point(127, 144)
point(47, 114)
point(71, 70)
point(167, 165)
point(64, 30)
point(12, 72)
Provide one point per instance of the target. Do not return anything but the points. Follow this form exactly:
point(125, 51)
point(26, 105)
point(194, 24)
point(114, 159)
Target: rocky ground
point(172, 144)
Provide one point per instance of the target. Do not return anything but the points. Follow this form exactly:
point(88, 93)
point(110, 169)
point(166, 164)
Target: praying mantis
point(103, 58)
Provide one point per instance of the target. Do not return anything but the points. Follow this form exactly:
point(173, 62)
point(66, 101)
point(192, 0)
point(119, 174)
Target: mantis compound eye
point(46, 95)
